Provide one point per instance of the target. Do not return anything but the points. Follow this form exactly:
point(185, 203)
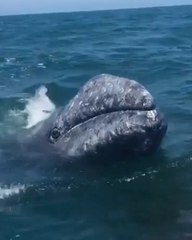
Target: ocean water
point(44, 60)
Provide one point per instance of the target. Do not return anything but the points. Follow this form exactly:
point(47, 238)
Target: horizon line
point(95, 10)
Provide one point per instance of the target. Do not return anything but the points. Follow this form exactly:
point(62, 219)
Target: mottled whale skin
point(109, 114)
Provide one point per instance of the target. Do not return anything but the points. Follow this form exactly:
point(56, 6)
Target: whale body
point(109, 114)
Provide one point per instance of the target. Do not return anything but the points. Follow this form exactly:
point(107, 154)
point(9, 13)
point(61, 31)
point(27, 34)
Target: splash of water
point(8, 191)
point(39, 107)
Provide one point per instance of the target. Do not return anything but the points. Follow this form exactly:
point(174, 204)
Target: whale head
point(108, 114)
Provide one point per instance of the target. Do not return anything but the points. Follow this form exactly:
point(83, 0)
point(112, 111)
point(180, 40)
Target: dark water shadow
point(90, 194)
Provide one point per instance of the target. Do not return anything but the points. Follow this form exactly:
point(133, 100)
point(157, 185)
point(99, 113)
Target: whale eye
point(55, 134)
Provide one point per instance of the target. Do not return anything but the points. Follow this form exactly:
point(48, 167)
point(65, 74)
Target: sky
point(12, 7)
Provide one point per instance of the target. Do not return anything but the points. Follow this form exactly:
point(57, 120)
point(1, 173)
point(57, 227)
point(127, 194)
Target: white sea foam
point(8, 191)
point(39, 107)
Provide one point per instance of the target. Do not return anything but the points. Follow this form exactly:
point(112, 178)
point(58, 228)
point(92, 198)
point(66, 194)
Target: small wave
point(39, 107)
point(41, 65)
point(150, 173)
point(10, 60)
point(138, 175)
point(8, 191)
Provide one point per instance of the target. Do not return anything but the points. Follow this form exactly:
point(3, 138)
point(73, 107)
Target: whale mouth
point(56, 132)
point(104, 114)
point(114, 132)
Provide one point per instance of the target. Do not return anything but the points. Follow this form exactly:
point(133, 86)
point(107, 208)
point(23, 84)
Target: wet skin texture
point(108, 115)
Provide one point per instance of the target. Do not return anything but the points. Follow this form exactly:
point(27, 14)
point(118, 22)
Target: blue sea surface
point(144, 199)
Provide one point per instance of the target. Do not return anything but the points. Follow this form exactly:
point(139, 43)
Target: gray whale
point(109, 114)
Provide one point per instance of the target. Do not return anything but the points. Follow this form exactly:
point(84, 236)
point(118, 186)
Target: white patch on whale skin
point(39, 107)
point(152, 114)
